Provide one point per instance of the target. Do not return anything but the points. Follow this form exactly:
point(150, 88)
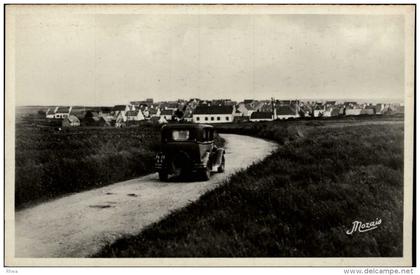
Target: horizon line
point(365, 100)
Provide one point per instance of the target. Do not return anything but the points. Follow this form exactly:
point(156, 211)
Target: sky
point(107, 59)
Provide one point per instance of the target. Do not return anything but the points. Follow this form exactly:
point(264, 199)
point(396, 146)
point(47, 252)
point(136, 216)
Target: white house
point(50, 113)
point(237, 113)
point(161, 120)
point(166, 114)
point(70, 121)
point(136, 115)
point(330, 103)
point(120, 111)
point(154, 112)
point(353, 112)
point(213, 114)
point(145, 110)
point(331, 111)
point(379, 108)
point(245, 109)
point(104, 111)
point(318, 113)
point(62, 112)
point(120, 121)
point(170, 105)
point(368, 111)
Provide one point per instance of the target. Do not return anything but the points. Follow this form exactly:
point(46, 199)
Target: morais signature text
point(358, 226)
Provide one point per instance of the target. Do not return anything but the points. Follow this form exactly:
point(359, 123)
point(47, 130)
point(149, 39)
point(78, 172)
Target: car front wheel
point(205, 174)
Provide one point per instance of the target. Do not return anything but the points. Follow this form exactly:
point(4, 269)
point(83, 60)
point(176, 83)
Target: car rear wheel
point(205, 174)
point(163, 175)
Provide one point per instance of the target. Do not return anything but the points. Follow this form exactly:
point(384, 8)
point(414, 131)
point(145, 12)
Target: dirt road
point(79, 225)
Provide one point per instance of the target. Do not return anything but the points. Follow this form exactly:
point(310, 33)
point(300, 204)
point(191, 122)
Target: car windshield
point(180, 135)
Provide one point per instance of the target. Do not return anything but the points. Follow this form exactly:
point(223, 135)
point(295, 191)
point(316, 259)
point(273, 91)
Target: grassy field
point(50, 163)
point(296, 203)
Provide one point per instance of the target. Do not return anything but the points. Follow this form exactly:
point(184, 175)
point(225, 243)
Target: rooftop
point(166, 112)
point(285, 110)
point(213, 109)
point(119, 108)
point(63, 110)
point(261, 115)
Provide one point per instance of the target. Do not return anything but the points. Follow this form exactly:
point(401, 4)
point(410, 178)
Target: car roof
point(186, 126)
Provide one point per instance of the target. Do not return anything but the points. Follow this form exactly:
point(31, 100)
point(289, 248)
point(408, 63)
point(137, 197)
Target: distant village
point(212, 111)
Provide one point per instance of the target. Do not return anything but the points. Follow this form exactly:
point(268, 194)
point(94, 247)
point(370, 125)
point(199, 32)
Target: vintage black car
point(189, 150)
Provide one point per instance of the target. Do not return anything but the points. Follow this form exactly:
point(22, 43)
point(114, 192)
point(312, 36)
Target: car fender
point(219, 156)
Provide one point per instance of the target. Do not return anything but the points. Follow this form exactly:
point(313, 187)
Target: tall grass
point(50, 163)
point(298, 202)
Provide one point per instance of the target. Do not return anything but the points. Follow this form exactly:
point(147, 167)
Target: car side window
point(204, 134)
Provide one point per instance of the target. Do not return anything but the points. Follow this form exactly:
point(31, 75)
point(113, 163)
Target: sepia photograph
point(209, 135)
